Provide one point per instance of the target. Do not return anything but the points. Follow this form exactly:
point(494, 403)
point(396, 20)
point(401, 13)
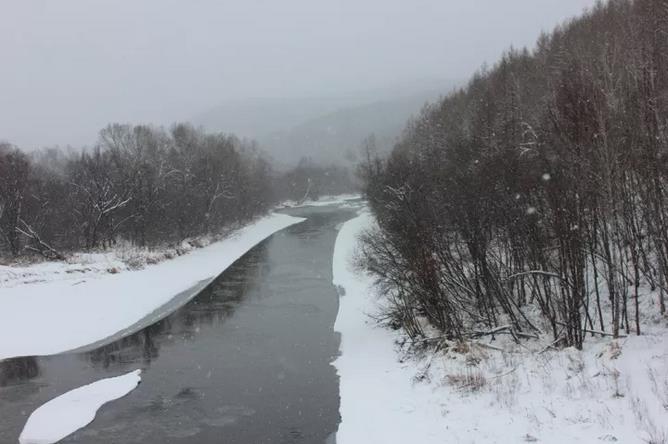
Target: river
point(248, 360)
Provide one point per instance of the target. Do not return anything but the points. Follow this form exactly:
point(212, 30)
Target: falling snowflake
point(546, 177)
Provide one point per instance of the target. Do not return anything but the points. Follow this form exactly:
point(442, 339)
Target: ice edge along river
point(55, 316)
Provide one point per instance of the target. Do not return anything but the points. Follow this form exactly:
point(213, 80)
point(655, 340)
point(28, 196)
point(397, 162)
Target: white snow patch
point(55, 314)
point(75, 409)
point(341, 200)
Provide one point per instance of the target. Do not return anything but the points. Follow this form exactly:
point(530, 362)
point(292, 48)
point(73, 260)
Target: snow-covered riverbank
point(490, 392)
point(379, 402)
point(57, 314)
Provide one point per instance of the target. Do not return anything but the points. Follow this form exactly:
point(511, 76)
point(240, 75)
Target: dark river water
point(248, 360)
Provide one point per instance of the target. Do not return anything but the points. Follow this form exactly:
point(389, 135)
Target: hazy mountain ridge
point(259, 116)
point(328, 129)
point(336, 137)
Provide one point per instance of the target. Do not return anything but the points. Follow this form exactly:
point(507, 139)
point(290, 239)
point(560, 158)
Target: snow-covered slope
point(490, 391)
point(73, 410)
point(52, 316)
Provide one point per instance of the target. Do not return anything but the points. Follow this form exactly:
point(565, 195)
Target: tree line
point(144, 185)
point(535, 197)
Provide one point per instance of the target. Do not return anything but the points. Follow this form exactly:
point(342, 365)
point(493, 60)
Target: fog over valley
point(260, 69)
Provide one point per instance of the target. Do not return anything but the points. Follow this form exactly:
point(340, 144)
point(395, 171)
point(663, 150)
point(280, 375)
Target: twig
point(598, 332)
point(551, 345)
point(504, 374)
point(482, 344)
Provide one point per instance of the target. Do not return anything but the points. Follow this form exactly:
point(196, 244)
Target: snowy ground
point(52, 307)
point(122, 257)
point(490, 392)
point(75, 409)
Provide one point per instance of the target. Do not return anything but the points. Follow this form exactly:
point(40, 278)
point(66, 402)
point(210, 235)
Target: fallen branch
point(505, 329)
point(597, 332)
point(504, 374)
point(40, 247)
point(433, 339)
point(531, 272)
point(482, 344)
point(551, 345)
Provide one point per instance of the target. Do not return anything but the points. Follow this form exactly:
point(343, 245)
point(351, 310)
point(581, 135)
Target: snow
point(76, 266)
point(341, 200)
point(75, 409)
point(62, 311)
point(379, 403)
point(122, 257)
point(492, 390)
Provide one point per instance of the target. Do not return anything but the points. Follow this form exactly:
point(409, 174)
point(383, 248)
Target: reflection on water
point(14, 371)
point(213, 305)
point(246, 361)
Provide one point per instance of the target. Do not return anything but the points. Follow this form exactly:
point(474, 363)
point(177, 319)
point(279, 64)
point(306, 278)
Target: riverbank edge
point(51, 317)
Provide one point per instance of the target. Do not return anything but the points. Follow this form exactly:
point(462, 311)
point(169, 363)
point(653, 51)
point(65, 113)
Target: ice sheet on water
point(73, 410)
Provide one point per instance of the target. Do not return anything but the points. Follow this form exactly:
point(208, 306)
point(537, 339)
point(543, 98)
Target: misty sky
point(68, 67)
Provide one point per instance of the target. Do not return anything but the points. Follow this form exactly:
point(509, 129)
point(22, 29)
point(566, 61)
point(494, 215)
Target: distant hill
point(336, 137)
point(327, 130)
point(256, 117)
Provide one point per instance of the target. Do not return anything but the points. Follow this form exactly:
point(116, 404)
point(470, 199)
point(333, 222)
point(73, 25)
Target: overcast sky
point(67, 67)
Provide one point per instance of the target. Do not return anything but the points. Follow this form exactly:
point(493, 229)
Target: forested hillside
point(535, 198)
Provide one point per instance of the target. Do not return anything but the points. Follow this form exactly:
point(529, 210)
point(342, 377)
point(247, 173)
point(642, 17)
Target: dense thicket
point(140, 184)
point(540, 187)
